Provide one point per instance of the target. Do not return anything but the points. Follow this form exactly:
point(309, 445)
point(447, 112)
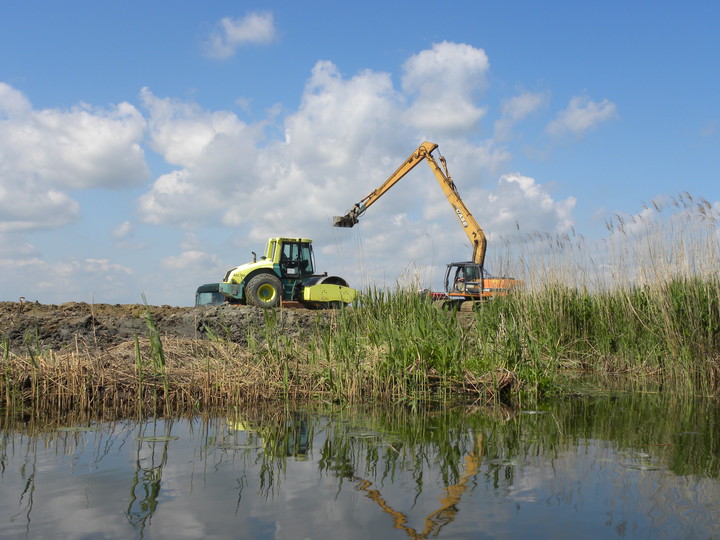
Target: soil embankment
point(77, 325)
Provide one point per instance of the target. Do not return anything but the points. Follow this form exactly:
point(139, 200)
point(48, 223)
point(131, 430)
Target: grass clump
point(400, 346)
point(651, 307)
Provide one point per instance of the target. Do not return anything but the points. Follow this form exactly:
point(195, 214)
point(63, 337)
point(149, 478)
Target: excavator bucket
point(348, 220)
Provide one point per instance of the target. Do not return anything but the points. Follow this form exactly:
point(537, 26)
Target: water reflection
point(625, 465)
point(151, 455)
point(449, 503)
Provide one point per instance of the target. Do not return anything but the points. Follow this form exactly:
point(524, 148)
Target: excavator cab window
point(464, 278)
point(455, 280)
point(472, 273)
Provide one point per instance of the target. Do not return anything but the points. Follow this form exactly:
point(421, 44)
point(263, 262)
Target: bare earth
point(102, 326)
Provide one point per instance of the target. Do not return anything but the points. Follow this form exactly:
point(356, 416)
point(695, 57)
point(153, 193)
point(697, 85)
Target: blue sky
point(149, 147)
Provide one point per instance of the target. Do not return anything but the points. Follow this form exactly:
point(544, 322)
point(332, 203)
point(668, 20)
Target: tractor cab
point(296, 259)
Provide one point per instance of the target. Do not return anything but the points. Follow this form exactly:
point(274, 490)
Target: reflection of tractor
point(463, 280)
point(286, 273)
point(281, 438)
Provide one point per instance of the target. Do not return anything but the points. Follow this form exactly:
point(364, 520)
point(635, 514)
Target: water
point(625, 466)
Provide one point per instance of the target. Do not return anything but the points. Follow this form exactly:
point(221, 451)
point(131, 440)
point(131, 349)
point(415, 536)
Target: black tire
point(264, 290)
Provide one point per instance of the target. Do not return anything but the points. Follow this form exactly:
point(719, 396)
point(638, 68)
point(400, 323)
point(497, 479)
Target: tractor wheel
point(264, 290)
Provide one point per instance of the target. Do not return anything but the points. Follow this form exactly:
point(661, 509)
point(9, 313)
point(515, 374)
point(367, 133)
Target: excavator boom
point(424, 152)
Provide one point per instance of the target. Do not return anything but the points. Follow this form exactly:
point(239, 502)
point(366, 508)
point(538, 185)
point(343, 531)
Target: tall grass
point(402, 347)
point(644, 300)
point(397, 347)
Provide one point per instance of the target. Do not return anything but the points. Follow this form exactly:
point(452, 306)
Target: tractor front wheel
point(264, 290)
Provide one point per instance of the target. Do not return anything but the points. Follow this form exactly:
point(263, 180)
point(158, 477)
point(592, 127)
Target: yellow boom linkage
point(462, 280)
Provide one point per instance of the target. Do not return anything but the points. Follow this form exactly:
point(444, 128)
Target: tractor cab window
point(296, 259)
point(306, 259)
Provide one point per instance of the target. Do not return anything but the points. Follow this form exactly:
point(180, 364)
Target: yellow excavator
point(463, 280)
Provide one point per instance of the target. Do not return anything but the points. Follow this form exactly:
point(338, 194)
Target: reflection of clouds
point(211, 486)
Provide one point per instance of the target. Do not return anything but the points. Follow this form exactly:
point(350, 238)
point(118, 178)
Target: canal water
point(598, 465)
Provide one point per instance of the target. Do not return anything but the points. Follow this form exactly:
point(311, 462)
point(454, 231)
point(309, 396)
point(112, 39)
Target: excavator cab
point(464, 279)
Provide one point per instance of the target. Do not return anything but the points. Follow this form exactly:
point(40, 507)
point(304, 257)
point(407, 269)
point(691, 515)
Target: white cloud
point(122, 231)
point(190, 259)
point(581, 116)
point(12, 246)
point(45, 153)
point(522, 201)
point(515, 109)
point(68, 280)
point(27, 205)
point(255, 28)
point(348, 135)
point(182, 132)
point(103, 266)
point(124, 237)
point(445, 81)
point(13, 103)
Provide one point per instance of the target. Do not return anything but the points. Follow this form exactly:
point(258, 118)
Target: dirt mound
point(84, 326)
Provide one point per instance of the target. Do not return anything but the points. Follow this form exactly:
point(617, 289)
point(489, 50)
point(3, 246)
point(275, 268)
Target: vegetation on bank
point(395, 348)
point(651, 309)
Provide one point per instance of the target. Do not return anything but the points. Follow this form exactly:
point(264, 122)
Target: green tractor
point(285, 274)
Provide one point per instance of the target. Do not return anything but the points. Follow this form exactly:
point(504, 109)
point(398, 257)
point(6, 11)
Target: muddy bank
point(102, 326)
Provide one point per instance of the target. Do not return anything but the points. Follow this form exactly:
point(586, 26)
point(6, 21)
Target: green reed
point(156, 354)
point(6, 372)
point(399, 346)
point(644, 300)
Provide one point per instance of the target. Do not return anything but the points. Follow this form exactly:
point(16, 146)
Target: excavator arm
point(424, 152)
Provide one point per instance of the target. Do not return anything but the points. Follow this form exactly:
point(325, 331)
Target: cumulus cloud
point(229, 178)
point(74, 279)
point(522, 201)
point(515, 109)
point(45, 153)
point(190, 259)
point(122, 231)
point(26, 204)
point(348, 135)
point(254, 28)
point(581, 116)
point(217, 155)
point(444, 82)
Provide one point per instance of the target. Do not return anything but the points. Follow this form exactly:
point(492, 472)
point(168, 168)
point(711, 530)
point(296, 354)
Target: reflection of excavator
point(449, 504)
point(463, 280)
